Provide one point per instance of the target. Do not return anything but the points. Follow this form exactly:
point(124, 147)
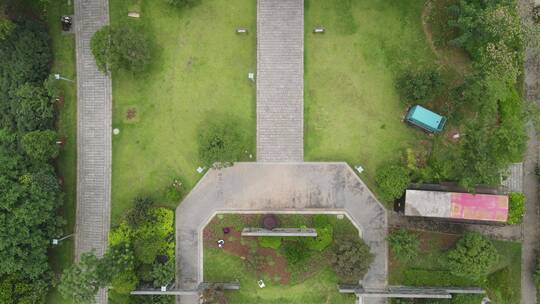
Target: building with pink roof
point(459, 206)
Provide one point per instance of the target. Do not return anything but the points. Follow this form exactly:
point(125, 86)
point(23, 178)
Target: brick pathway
point(280, 80)
point(93, 136)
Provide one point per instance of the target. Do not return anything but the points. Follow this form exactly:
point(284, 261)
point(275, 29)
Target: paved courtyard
point(275, 188)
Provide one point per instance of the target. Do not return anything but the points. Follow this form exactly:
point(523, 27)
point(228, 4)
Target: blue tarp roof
point(426, 117)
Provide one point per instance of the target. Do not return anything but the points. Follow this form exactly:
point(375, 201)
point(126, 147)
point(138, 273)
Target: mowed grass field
point(352, 110)
point(199, 71)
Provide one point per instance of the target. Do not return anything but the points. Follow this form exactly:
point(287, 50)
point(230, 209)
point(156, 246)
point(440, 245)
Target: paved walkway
point(93, 136)
point(531, 221)
point(280, 80)
point(266, 187)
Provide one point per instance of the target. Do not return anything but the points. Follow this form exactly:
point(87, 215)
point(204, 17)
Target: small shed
point(458, 206)
point(425, 119)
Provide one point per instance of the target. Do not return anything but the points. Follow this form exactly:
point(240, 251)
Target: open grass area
point(64, 63)
point(198, 72)
point(352, 109)
point(503, 284)
point(310, 281)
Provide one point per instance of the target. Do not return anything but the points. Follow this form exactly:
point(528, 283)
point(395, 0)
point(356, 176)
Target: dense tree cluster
point(141, 251)
point(490, 31)
point(29, 189)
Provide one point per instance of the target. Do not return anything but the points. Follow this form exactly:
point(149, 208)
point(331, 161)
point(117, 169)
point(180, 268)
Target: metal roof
point(466, 206)
point(426, 117)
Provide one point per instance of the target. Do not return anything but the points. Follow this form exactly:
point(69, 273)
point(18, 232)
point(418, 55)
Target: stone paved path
point(93, 136)
point(275, 188)
point(280, 80)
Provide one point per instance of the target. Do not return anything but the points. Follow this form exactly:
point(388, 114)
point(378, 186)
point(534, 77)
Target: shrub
point(220, 140)
point(124, 282)
point(392, 180)
point(351, 259)
point(516, 207)
point(536, 14)
point(270, 242)
point(40, 145)
point(120, 47)
point(138, 215)
point(147, 248)
point(163, 274)
point(323, 239)
point(404, 244)
point(474, 256)
point(321, 220)
point(122, 233)
point(296, 251)
point(414, 86)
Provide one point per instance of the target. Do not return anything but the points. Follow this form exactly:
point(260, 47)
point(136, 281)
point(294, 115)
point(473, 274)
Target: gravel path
point(94, 108)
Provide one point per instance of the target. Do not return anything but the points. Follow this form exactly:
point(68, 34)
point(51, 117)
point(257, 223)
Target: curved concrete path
point(278, 188)
point(94, 112)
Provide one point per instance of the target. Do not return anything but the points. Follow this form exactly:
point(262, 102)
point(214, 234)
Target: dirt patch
point(274, 265)
point(451, 57)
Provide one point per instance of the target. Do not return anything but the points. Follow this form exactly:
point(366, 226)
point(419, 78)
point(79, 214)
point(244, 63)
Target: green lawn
point(199, 71)
point(352, 110)
point(311, 281)
point(503, 284)
point(64, 63)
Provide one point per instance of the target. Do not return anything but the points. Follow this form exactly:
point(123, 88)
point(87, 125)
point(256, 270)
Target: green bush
point(392, 180)
point(321, 220)
point(220, 140)
point(120, 47)
point(516, 207)
point(296, 251)
point(270, 242)
point(473, 257)
point(163, 274)
point(40, 145)
point(536, 14)
point(124, 282)
point(404, 244)
point(323, 240)
point(147, 248)
point(417, 86)
point(138, 214)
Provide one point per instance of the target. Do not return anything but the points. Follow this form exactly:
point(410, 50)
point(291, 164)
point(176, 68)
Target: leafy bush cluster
point(29, 191)
point(490, 31)
point(418, 86)
point(516, 207)
point(121, 47)
point(270, 242)
point(141, 252)
point(404, 244)
point(392, 181)
point(474, 256)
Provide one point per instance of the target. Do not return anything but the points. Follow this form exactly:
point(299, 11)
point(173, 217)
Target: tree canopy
point(120, 47)
point(474, 256)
